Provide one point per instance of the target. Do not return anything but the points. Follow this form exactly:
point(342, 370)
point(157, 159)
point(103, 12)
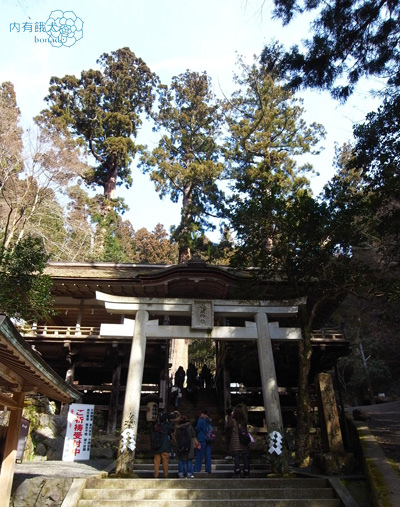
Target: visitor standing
point(228, 434)
point(206, 376)
point(180, 378)
point(185, 437)
point(192, 384)
point(204, 446)
point(161, 454)
point(239, 451)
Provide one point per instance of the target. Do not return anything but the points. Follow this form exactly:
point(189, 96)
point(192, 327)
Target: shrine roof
point(23, 369)
point(195, 279)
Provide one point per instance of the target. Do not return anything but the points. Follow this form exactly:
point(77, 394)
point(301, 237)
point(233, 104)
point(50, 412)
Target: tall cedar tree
point(102, 111)
point(186, 163)
point(364, 220)
point(376, 156)
point(279, 227)
point(355, 39)
point(352, 39)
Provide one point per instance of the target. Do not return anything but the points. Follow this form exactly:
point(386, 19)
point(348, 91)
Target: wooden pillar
point(227, 389)
point(114, 399)
point(69, 376)
point(130, 416)
point(79, 320)
point(10, 450)
point(329, 418)
point(272, 406)
point(164, 387)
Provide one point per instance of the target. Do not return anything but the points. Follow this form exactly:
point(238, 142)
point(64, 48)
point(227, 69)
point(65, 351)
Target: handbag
point(244, 436)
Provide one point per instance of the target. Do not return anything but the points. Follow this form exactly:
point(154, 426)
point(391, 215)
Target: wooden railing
point(328, 334)
point(58, 331)
point(83, 331)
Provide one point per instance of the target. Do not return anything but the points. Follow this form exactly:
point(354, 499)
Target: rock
point(54, 492)
point(360, 415)
point(44, 433)
point(101, 453)
point(41, 492)
point(41, 449)
point(56, 447)
point(335, 463)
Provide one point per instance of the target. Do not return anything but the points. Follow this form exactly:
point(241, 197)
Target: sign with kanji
point(202, 314)
point(79, 432)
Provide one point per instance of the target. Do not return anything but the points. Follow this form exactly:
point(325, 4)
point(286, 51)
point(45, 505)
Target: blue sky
point(171, 36)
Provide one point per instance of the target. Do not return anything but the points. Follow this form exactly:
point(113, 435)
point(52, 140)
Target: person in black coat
point(161, 455)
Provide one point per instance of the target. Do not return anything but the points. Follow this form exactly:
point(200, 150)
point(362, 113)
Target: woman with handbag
point(239, 449)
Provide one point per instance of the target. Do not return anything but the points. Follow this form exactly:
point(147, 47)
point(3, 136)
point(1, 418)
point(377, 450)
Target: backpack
point(184, 442)
point(210, 433)
point(156, 437)
point(244, 436)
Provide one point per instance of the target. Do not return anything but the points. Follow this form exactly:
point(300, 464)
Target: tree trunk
point(303, 397)
point(185, 253)
point(110, 185)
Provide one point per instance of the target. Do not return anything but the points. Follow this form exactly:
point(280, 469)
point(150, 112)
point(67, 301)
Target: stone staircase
point(219, 488)
point(221, 469)
point(216, 489)
point(208, 492)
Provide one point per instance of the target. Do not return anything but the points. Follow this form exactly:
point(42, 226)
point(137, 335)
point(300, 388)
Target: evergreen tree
point(186, 163)
point(154, 247)
point(351, 39)
point(102, 111)
point(280, 228)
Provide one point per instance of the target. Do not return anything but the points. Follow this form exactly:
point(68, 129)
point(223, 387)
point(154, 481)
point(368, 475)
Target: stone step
point(218, 474)
point(212, 483)
point(205, 494)
point(189, 502)
point(214, 466)
point(221, 468)
point(293, 492)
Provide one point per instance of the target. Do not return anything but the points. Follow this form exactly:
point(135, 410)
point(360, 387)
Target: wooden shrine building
point(114, 324)
point(22, 371)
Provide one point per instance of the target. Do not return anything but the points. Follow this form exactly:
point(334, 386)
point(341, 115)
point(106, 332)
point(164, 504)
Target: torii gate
point(203, 313)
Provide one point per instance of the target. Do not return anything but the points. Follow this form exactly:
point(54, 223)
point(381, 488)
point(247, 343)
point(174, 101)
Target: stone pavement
point(380, 439)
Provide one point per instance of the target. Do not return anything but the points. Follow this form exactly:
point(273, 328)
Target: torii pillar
point(272, 407)
point(130, 415)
